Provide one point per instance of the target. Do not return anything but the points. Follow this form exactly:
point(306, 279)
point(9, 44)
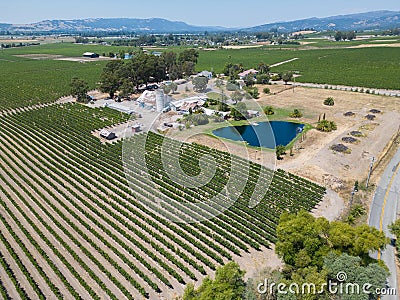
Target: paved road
point(384, 211)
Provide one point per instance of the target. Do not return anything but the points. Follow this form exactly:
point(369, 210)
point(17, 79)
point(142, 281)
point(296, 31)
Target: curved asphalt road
point(384, 211)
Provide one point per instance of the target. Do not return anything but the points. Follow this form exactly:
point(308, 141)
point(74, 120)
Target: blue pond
point(263, 134)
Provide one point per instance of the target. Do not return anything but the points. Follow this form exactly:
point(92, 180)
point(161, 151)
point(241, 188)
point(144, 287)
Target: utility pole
point(294, 81)
point(352, 197)
point(370, 171)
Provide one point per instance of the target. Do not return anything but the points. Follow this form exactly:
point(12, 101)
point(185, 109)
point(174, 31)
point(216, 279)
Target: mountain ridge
point(382, 19)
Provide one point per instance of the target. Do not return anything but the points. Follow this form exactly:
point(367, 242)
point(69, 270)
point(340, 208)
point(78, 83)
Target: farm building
point(253, 113)
point(136, 128)
point(183, 105)
point(120, 107)
point(108, 135)
point(247, 72)
point(90, 55)
point(206, 74)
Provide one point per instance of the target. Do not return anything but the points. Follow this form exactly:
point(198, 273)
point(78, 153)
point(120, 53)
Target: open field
point(365, 67)
point(87, 234)
point(313, 158)
point(27, 82)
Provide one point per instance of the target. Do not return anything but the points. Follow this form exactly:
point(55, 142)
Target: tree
point(296, 114)
point(188, 55)
point(222, 106)
point(175, 72)
point(79, 89)
point(173, 87)
point(326, 126)
point(253, 92)
point(239, 112)
point(200, 84)
point(351, 35)
point(232, 70)
point(279, 151)
point(219, 83)
point(329, 101)
point(266, 90)
point(169, 60)
point(286, 77)
point(249, 80)
point(304, 240)
point(228, 284)
point(110, 78)
point(166, 89)
point(356, 273)
point(237, 96)
point(263, 68)
point(338, 36)
point(262, 78)
point(188, 68)
point(395, 228)
point(269, 110)
point(126, 88)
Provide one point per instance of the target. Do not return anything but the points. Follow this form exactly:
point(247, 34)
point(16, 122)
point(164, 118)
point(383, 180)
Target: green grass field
point(366, 67)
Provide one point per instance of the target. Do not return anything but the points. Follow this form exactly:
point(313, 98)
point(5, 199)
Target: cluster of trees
point(394, 31)
point(228, 284)
point(345, 35)
point(79, 89)
point(143, 69)
point(81, 40)
point(142, 40)
point(15, 45)
point(233, 70)
point(314, 252)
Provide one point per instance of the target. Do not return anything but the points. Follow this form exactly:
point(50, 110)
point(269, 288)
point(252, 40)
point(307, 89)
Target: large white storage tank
point(160, 100)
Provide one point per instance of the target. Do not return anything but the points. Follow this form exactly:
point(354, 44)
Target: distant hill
point(363, 21)
point(153, 25)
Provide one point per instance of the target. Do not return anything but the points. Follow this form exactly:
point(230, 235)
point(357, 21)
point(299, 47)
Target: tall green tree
point(191, 55)
point(279, 151)
point(239, 112)
point(304, 240)
point(111, 77)
point(79, 89)
point(237, 96)
point(355, 273)
point(227, 285)
point(200, 84)
point(286, 77)
point(263, 68)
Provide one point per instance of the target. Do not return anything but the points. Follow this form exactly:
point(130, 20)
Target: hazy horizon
point(224, 13)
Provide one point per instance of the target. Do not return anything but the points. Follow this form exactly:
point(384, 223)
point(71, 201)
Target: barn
point(108, 135)
point(90, 55)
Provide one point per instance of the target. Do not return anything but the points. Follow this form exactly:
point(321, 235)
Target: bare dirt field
point(61, 57)
point(242, 46)
point(375, 45)
point(39, 56)
point(313, 158)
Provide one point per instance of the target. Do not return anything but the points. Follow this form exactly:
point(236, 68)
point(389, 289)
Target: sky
point(227, 13)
